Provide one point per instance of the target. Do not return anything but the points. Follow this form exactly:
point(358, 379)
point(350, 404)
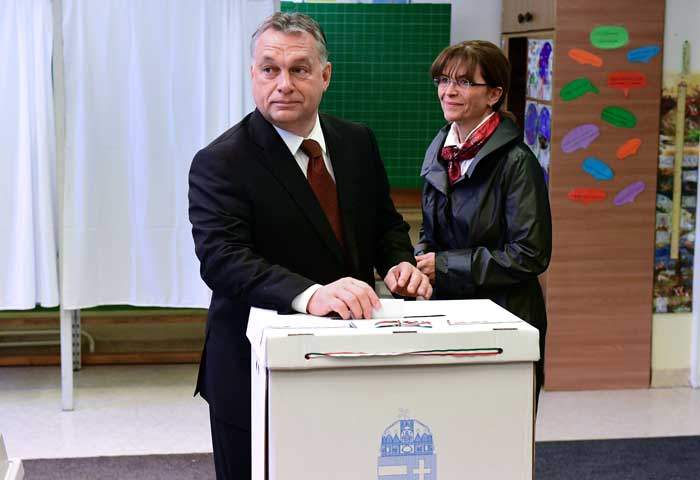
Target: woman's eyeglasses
point(443, 81)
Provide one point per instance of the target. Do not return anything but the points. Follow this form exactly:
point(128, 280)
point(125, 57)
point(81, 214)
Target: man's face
point(288, 79)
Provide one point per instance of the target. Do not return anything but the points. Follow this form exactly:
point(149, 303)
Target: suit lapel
point(279, 161)
point(342, 169)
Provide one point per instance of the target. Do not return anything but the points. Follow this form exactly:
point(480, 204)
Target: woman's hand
point(406, 280)
point(426, 264)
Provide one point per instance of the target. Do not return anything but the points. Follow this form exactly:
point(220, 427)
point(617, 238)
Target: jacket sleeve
point(392, 245)
point(426, 243)
point(221, 214)
point(528, 237)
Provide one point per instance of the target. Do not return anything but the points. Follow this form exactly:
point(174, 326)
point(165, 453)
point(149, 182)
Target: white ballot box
point(446, 391)
point(10, 468)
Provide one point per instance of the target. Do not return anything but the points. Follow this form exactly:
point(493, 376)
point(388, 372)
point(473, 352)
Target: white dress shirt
point(293, 142)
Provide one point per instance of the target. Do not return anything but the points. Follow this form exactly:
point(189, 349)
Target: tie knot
point(311, 148)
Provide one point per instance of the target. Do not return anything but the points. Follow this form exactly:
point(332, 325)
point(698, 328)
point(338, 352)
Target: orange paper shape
point(630, 147)
point(587, 195)
point(585, 57)
point(627, 80)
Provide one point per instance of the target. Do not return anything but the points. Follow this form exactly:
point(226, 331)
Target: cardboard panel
point(599, 283)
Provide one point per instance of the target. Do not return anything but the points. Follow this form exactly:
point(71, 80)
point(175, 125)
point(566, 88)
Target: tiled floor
point(133, 410)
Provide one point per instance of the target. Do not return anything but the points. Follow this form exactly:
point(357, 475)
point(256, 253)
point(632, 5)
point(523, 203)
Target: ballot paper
point(391, 308)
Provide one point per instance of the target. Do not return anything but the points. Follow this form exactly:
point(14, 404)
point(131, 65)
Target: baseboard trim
point(671, 377)
point(104, 359)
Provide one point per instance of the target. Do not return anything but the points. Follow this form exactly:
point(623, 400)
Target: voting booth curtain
point(28, 211)
point(147, 84)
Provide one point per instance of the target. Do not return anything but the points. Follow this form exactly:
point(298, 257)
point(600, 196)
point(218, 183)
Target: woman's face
point(466, 105)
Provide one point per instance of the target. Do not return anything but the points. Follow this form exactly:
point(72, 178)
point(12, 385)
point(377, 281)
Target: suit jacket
point(262, 237)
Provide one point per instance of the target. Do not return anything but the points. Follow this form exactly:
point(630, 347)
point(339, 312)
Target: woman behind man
point(486, 229)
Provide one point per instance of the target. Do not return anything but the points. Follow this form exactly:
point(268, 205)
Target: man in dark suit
point(290, 211)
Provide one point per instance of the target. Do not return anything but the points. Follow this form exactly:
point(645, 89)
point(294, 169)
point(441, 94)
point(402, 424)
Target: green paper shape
point(577, 88)
point(619, 117)
point(609, 37)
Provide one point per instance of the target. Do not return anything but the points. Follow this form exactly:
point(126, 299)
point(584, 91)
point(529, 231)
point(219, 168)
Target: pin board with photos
point(673, 264)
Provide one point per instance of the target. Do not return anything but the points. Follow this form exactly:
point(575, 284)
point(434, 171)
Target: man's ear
point(326, 75)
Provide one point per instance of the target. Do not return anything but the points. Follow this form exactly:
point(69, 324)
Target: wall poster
point(673, 279)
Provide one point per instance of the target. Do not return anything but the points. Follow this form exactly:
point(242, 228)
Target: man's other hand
point(406, 280)
point(348, 297)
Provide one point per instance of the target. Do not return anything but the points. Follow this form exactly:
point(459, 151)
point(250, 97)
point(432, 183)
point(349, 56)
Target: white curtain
point(148, 83)
point(28, 257)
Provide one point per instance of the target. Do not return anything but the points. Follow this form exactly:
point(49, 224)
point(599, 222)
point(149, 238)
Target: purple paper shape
point(545, 52)
point(580, 137)
point(531, 124)
point(544, 124)
point(629, 193)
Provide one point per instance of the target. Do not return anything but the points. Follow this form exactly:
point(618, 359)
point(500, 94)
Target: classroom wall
point(476, 20)
point(473, 19)
point(670, 349)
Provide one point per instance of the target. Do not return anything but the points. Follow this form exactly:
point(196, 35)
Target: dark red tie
point(323, 186)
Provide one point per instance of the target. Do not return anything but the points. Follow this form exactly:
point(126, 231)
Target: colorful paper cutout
point(609, 37)
point(579, 137)
point(539, 68)
point(531, 124)
point(643, 54)
point(543, 62)
point(597, 168)
point(619, 117)
point(586, 195)
point(577, 88)
point(629, 193)
point(544, 125)
point(627, 80)
point(585, 57)
point(629, 148)
point(538, 133)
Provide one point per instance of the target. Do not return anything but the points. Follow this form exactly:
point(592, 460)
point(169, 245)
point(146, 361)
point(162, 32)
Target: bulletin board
point(381, 56)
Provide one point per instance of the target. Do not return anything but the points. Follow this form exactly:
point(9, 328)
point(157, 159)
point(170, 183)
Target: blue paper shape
point(597, 169)
point(643, 54)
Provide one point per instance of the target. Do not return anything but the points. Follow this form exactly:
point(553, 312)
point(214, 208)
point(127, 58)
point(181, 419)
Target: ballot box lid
point(434, 332)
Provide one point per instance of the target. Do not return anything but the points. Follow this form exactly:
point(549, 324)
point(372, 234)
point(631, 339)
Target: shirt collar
point(293, 141)
point(452, 139)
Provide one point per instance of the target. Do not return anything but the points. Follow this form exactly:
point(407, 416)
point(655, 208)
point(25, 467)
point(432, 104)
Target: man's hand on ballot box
point(354, 299)
point(348, 297)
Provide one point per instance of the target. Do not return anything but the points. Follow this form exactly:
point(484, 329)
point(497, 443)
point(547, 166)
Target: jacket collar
point(277, 158)
point(434, 172)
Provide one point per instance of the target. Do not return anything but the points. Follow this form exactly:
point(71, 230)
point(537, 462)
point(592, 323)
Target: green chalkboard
point(381, 57)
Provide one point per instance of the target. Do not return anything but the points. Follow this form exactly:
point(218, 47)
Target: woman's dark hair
point(495, 67)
